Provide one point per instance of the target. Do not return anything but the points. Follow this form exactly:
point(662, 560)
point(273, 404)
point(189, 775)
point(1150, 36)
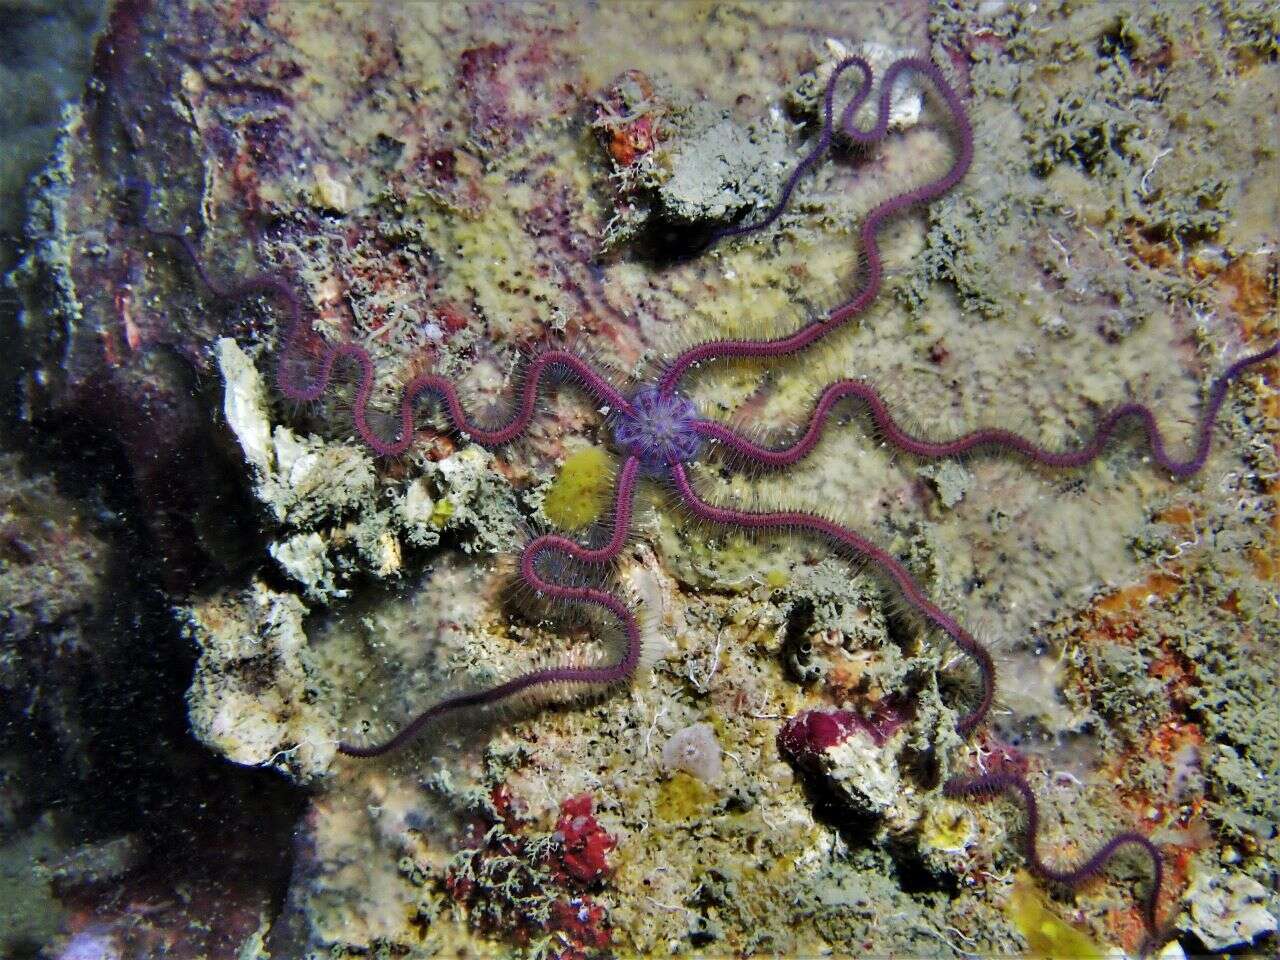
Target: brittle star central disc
point(659, 429)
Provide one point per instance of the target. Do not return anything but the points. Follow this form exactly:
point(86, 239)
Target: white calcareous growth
point(244, 404)
point(696, 751)
point(260, 696)
point(1226, 909)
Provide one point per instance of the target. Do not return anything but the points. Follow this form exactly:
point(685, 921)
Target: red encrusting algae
point(584, 844)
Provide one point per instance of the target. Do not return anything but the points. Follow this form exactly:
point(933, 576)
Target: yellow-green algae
point(682, 797)
point(581, 490)
point(1046, 933)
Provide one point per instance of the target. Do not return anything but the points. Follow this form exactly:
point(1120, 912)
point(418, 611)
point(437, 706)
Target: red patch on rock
point(584, 923)
point(628, 136)
point(444, 164)
point(512, 809)
point(483, 61)
point(810, 733)
point(452, 317)
point(585, 844)
point(629, 141)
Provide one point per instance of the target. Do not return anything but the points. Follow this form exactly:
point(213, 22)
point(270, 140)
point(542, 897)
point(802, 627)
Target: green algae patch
point(682, 798)
point(441, 513)
point(580, 492)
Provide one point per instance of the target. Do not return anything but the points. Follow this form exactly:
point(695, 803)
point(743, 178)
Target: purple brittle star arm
point(862, 547)
point(993, 784)
point(322, 374)
point(595, 556)
point(825, 136)
point(549, 676)
point(837, 317)
point(759, 455)
point(438, 386)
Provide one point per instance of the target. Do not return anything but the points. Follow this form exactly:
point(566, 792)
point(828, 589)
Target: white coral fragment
point(303, 480)
point(479, 499)
point(244, 404)
point(1225, 909)
point(306, 559)
point(868, 772)
point(417, 510)
point(257, 696)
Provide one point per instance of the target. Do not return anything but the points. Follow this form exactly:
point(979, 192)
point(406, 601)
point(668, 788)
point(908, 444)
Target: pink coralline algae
point(584, 843)
point(809, 734)
point(515, 883)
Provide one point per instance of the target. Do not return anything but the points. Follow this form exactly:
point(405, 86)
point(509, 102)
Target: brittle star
point(659, 432)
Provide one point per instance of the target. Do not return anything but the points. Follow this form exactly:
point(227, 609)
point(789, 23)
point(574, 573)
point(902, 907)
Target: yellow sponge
point(580, 492)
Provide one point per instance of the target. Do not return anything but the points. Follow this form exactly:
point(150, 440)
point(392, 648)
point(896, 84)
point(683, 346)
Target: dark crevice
point(797, 649)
